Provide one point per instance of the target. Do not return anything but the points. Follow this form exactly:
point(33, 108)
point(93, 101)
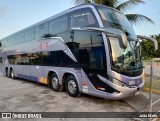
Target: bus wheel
point(72, 86)
point(12, 74)
point(55, 83)
point(8, 73)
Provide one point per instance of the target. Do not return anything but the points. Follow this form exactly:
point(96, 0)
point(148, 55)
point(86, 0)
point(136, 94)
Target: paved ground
point(23, 96)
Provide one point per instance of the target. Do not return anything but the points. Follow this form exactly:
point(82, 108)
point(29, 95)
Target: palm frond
point(99, 1)
point(110, 3)
point(138, 19)
point(78, 2)
point(128, 5)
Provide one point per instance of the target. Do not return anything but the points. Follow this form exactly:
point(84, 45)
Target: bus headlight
point(117, 82)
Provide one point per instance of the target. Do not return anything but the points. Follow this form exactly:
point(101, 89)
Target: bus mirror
point(150, 39)
point(120, 35)
point(123, 40)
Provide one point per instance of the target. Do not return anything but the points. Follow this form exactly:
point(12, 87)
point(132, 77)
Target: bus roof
point(90, 5)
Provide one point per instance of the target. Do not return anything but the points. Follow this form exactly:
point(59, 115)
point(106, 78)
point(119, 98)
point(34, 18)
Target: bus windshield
point(114, 19)
point(124, 59)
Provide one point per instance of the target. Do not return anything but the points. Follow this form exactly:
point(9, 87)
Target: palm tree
point(123, 7)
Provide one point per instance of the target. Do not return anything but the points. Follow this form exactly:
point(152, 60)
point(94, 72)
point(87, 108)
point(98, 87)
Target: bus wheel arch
point(71, 85)
point(6, 70)
point(53, 81)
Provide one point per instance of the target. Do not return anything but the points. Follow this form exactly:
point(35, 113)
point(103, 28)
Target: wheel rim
point(55, 82)
point(72, 86)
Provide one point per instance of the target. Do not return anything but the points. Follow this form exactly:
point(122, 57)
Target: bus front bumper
point(122, 92)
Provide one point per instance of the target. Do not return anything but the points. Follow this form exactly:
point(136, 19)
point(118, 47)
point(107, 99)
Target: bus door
point(90, 55)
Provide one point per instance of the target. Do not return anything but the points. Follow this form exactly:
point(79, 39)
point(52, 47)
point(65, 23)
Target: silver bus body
point(111, 79)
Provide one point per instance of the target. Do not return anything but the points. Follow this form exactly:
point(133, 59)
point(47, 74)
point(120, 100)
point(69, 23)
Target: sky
point(19, 14)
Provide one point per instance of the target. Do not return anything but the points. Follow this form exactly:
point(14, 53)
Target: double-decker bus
point(89, 48)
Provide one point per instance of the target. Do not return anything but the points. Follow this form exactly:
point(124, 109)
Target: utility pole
point(151, 79)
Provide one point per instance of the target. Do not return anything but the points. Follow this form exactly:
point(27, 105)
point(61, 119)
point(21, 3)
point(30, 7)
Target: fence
point(155, 77)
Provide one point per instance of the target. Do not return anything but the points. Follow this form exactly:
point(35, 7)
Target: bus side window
point(41, 30)
point(14, 39)
point(88, 48)
point(87, 38)
point(30, 34)
point(35, 58)
point(58, 25)
point(20, 38)
point(11, 59)
point(49, 58)
point(64, 59)
point(2, 43)
point(83, 18)
point(8, 42)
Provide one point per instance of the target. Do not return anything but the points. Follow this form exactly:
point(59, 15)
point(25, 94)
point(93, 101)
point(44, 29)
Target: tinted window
point(30, 34)
point(13, 39)
point(49, 58)
point(22, 59)
point(57, 58)
point(11, 59)
point(58, 25)
point(26, 59)
point(83, 18)
point(87, 38)
point(8, 41)
point(35, 58)
point(93, 58)
point(0, 59)
point(2, 42)
point(46, 58)
point(66, 36)
point(41, 30)
point(89, 50)
point(20, 38)
point(64, 59)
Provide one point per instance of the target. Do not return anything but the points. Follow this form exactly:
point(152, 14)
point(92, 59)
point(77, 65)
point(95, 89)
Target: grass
point(158, 61)
point(155, 84)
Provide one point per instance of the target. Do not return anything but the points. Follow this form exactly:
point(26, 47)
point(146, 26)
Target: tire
point(12, 74)
point(55, 83)
point(72, 86)
point(8, 73)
